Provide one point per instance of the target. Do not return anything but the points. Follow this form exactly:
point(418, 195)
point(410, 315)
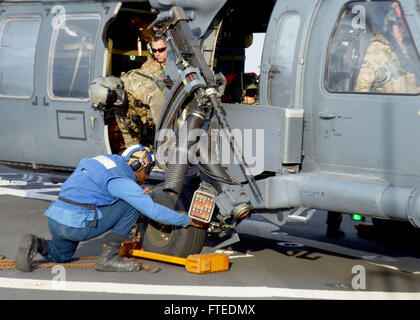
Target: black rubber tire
point(176, 241)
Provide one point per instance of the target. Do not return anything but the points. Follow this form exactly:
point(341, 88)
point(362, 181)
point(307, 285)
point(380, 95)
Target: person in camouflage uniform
point(145, 95)
point(383, 69)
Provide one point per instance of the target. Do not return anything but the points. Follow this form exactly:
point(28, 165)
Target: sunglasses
point(160, 50)
point(251, 92)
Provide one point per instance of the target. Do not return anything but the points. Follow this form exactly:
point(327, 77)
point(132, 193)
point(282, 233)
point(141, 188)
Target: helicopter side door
point(52, 52)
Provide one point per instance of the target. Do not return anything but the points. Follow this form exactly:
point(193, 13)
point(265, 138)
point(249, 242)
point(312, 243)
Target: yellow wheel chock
point(195, 263)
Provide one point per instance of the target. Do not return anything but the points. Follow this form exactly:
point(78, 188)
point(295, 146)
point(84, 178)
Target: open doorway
point(126, 39)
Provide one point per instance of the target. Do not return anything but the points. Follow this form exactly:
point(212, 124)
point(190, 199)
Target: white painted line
point(234, 254)
point(17, 181)
point(30, 193)
point(5, 183)
point(24, 182)
point(42, 190)
point(202, 291)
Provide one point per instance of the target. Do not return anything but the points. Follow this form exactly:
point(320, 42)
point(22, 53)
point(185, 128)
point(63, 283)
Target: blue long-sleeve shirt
point(130, 192)
point(133, 194)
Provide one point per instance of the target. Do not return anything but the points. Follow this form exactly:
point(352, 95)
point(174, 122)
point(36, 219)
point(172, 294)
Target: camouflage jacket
point(382, 72)
point(145, 97)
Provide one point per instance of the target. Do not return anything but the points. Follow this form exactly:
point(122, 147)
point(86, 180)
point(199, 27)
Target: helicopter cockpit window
point(17, 55)
point(372, 51)
point(72, 55)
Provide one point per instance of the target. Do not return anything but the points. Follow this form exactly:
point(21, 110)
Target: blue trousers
point(119, 217)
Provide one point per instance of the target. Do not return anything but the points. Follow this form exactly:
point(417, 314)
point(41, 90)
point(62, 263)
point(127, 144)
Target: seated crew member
point(250, 96)
point(244, 89)
point(102, 194)
point(390, 64)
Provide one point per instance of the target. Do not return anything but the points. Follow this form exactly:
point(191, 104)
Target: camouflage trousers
point(130, 136)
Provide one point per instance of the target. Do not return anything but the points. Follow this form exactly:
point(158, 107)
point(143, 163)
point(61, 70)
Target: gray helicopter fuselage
point(317, 141)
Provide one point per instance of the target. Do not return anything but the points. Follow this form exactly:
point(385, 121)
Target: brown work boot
point(110, 259)
point(29, 246)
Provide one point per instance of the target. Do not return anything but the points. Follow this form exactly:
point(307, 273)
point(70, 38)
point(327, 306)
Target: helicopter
point(320, 138)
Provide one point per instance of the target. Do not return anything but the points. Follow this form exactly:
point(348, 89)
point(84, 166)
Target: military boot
point(29, 246)
point(110, 259)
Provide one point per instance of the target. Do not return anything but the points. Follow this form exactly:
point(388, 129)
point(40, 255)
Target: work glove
point(198, 224)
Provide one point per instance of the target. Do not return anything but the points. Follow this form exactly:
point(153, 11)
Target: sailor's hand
point(147, 190)
point(198, 224)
